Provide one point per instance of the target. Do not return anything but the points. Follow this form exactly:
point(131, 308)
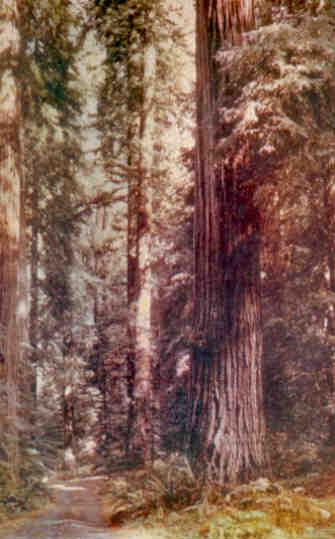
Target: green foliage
point(258, 510)
point(277, 134)
point(166, 486)
point(48, 62)
point(26, 492)
point(124, 25)
point(52, 146)
point(277, 95)
point(126, 28)
point(52, 157)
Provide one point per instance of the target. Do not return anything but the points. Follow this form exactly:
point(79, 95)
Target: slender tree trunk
point(34, 311)
point(98, 355)
point(132, 245)
point(142, 436)
point(226, 423)
point(329, 228)
point(10, 208)
point(111, 372)
point(70, 387)
point(132, 286)
point(26, 373)
point(69, 397)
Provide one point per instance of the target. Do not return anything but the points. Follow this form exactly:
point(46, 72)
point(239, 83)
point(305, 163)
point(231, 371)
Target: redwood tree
point(226, 422)
point(10, 205)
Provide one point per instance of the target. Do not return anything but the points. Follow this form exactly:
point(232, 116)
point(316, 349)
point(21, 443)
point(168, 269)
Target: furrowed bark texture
point(10, 205)
point(226, 424)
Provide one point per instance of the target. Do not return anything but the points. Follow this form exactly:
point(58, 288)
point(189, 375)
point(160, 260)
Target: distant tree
point(52, 158)
point(134, 105)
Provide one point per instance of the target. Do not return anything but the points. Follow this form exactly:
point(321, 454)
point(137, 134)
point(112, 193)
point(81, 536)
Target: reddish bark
point(10, 209)
point(227, 423)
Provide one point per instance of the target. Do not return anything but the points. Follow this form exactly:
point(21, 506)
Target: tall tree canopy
point(101, 364)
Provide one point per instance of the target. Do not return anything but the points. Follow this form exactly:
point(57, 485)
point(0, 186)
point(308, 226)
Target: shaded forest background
point(102, 308)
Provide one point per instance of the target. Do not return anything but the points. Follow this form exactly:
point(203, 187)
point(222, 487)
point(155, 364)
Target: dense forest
point(167, 256)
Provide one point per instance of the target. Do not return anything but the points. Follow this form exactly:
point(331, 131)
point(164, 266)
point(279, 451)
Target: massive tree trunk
point(10, 206)
point(226, 424)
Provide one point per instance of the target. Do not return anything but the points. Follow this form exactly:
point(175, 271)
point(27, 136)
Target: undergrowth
point(168, 500)
point(24, 492)
point(138, 493)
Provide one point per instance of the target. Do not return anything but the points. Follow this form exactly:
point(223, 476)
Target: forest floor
point(129, 506)
point(300, 508)
point(74, 512)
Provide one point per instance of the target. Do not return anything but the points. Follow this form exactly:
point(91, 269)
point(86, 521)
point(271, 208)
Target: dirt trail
point(75, 514)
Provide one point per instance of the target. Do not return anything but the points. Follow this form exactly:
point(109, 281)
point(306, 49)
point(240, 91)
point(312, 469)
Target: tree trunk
point(142, 436)
point(25, 371)
point(227, 423)
point(10, 208)
point(34, 307)
point(69, 396)
point(329, 227)
point(132, 286)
